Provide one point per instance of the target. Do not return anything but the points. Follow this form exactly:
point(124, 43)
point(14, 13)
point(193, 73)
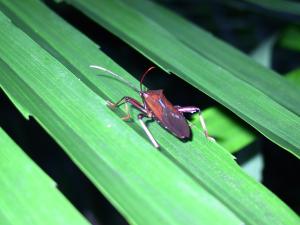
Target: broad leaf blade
point(240, 65)
point(294, 76)
point(283, 6)
point(209, 165)
point(229, 133)
point(28, 195)
point(290, 38)
point(128, 170)
point(267, 116)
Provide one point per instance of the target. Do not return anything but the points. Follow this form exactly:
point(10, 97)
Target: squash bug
point(156, 106)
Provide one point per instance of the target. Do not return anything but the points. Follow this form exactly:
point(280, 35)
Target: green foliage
point(278, 5)
point(220, 54)
point(255, 107)
point(226, 130)
point(185, 183)
point(290, 38)
point(128, 170)
point(27, 193)
point(294, 76)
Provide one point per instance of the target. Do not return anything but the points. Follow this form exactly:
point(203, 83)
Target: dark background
point(242, 25)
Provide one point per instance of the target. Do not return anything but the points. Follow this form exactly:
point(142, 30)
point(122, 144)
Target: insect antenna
point(144, 75)
point(116, 76)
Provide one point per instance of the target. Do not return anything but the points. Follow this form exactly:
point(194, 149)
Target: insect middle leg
point(141, 108)
point(126, 100)
point(193, 109)
point(140, 117)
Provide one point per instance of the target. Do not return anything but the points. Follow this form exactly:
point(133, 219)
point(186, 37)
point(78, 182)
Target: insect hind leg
point(193, 109)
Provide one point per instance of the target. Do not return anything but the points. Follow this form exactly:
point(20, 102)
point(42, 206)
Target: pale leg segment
point(140, 107)
point(140, 117)
point(192, 109)
point(126, 100)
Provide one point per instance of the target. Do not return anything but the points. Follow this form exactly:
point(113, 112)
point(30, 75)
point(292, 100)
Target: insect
point(156, 106)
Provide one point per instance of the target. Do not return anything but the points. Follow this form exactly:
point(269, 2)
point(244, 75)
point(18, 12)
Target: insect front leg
point(140, 117)
point(141, 108)
point(192, 109)
point(126, 100)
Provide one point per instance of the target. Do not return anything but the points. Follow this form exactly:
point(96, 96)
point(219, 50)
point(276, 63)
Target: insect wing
point(166, 114)
point(175, 122)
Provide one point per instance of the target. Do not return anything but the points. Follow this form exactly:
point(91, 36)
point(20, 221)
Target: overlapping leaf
point(285, 6)
point(143, 184)
point(269, 117)
point(209, 165)
point(29, 196)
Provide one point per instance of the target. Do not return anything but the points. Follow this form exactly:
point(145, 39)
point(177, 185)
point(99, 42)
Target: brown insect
point(156, 106)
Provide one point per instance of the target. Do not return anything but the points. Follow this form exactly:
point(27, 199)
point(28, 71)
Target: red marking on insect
point(156, 106)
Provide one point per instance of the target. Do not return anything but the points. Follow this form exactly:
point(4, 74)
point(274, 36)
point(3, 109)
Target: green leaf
point(290, 38)
point(229, 133)
point(28, 195)
point(240, 65)
point(237, 136)
point(283, 6)
point(263, 53)
point(142, 183)
point(269, 117)
point(122, 164)
point(294, 76)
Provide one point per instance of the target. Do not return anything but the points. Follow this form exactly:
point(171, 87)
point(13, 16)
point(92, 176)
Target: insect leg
point(126, 100)
point(140, 107)
point(140, 117)
point(192, 109)
point(128, 116)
